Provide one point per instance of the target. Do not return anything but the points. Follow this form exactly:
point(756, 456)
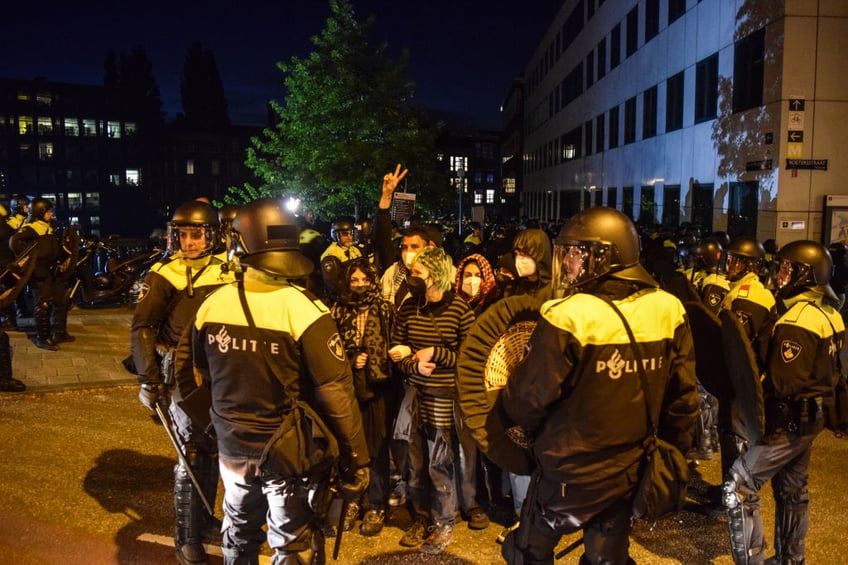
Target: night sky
point(464, 53)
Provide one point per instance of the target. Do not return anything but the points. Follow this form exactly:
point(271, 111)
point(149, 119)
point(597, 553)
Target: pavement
point(93, 360)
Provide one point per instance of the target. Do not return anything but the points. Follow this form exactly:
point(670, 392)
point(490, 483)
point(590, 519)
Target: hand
point(390, 182)
point(354, 485)
point(360, 361)
point(399, 352)
point(151, 394)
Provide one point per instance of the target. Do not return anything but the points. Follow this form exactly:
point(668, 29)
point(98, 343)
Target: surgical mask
point(524, 266)
point(471, 285)
point(407, 257)
point(416, 286)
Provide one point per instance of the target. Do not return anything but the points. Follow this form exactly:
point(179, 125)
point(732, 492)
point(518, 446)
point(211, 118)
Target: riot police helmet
point(803, 265)
point(597, 243)
point(707, 254)
point(195, 219)
point(265, 236)
point(743, 255)
point(20, 205)
point(343, 226)
point(226, 214)
point(38, 209)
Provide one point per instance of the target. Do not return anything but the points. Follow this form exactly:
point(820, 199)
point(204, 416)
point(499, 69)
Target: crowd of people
point(287, 355)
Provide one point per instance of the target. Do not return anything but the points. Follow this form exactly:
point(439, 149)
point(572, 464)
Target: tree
point(346, 120)
point(204, 101)
point(136, 78)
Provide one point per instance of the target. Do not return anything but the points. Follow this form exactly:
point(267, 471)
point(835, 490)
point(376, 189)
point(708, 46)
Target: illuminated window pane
point(73, 220)
point(74, 201)
point(45, 151)
point(72, 127)
point(92, 200)
point(113, 129)
point(478, 198)
point(24, 125)
point(490, 196)
point(89, 128)
point(133, 177)
point(45, 126)
point(44, 98)
point(23, 96)
point(95, 220)
point(129, 129)
point(459, 163)
point(189, 166)
point(115, 179)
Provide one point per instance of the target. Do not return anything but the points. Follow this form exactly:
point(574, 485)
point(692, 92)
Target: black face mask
point(416, 286)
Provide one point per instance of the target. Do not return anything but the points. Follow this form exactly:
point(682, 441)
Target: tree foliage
point(203, 98)
point(346, 120)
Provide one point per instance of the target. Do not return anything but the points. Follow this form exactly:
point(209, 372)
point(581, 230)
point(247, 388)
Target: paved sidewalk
point(92, 361)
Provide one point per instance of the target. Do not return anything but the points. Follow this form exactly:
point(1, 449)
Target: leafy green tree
point(345, 122)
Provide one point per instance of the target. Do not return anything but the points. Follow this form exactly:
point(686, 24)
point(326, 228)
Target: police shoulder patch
point(334, 344)
point(789, 350)
point(143, 290)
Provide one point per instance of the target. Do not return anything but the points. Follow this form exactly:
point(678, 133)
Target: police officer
point(20, 210)
point(171, 293)
point(252, 391)
point(39, 230)
point(343, 234)
point(704, 276)
point(802, 370)
point(581, 367)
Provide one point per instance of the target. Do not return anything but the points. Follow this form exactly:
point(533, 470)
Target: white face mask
point(407, 257)
point(524, 266)
point(471, 285)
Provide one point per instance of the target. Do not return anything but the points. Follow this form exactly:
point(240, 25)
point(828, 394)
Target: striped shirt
point(443, 326)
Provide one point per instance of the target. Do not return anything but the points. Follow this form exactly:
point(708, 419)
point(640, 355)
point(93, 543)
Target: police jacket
point(805, 345)
point(753, 304)
point(248, 399)
point(46, 250)
point(166, 304)
point(341, 252)
point(578, 391)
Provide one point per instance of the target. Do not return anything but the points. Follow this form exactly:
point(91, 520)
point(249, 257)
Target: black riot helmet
point(38, 208)
point(226, 215)
point(342, 226)
point(193, 214)
point(804, 265)
point(707, 254)
point(743, 255)
point(19, 205)
point(597, 242)
point(265, 236)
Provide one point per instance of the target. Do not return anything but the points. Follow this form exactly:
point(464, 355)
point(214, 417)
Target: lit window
point(478, 198)
point(189, 166)
point(89, 128)
point(458, 163)
point(95, 220)
point(74, 200)
point(113, 129)
point(440, 157)
point(92, 200)
point(509, 185)
point(45, 126)
point(133, 177)
point(44, 98)
point(490, 178)
point(72, 127)
point(23, 96)
point(45, 151)
point(129, 129)
point(24, 148)
point(73, 220)
point(24, 125)
point(115, 179)
point(490, 196)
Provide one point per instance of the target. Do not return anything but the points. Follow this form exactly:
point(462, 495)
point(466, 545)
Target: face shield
point(193, 240)
point(576, 263)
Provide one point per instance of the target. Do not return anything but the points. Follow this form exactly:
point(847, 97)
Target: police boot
point(42, 328)
point(791, 522)
point(60, 323)
point(7, 383)
point(189, 520)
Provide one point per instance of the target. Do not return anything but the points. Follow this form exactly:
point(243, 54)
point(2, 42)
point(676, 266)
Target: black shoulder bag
point(664, 472)
point(303, 445)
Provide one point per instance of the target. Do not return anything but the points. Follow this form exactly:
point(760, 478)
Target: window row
point(72, 127)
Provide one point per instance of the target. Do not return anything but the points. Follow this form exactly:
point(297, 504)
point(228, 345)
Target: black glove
point(151, 394)
point(353, 485)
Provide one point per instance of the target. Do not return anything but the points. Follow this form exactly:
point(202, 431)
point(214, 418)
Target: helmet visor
point(192, 240)
point(576, 263)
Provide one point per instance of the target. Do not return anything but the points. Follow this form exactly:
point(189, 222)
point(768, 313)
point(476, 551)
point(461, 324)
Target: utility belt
point(166, 363)
point(793, 415)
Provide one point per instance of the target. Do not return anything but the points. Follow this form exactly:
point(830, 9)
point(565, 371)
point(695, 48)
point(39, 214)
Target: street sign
point(794, 150)
point(796, 104)
point(807, 164)
point(795, 136)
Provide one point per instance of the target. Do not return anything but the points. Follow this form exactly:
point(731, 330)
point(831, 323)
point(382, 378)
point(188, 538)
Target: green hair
point(436, 261)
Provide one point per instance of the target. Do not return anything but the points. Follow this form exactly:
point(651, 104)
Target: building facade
point(726, 114)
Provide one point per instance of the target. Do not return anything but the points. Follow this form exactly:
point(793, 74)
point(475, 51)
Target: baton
point(568, 549)
point(340, 528)
point(166, 423)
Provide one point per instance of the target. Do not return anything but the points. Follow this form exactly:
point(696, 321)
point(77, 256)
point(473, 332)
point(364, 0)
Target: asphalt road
point(87, 478)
